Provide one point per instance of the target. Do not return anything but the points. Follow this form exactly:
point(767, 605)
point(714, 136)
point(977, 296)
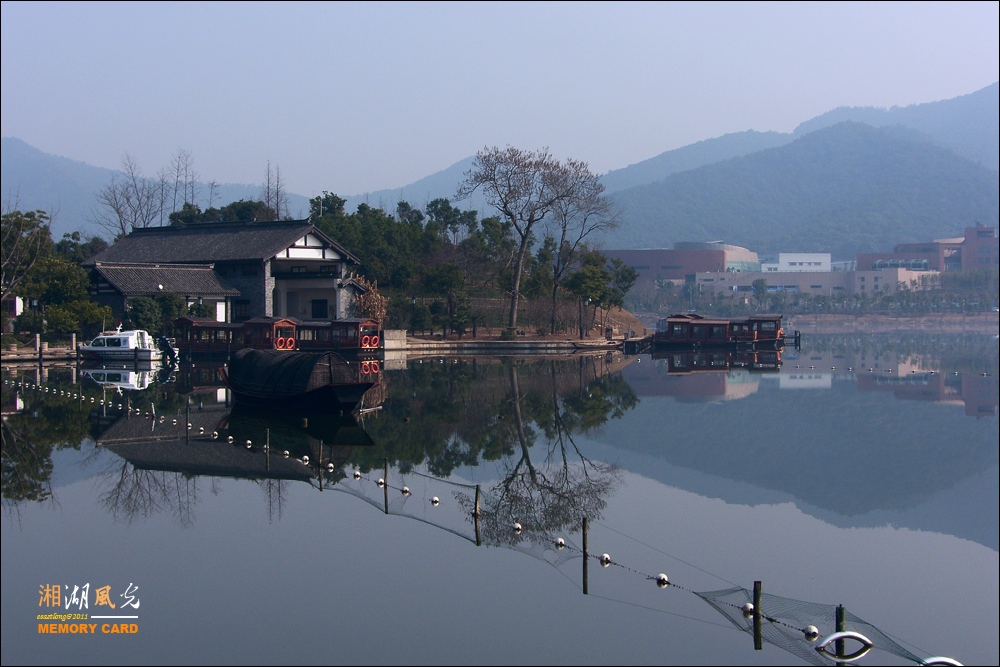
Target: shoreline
point(976, 323)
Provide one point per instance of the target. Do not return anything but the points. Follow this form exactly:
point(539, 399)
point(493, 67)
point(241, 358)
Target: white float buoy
point(380, 482)
point(435, 501)
point(357, 474)
point(229, 439)
point(305, 459)
point(748, 610)
point(201, 429)
point(560, 543)
point(405, 490)
point(811, 632)
point(330, 467)
point(662, 581)
point(215, 435)
point(605, 560)
point(517, 527)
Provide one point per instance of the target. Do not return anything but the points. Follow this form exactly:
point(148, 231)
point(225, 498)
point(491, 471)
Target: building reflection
point(691, 375)
point(695, 376)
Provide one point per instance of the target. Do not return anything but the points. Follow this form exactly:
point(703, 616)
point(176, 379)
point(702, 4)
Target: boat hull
point(325, 400)
point(730, 346)
point(135, 354)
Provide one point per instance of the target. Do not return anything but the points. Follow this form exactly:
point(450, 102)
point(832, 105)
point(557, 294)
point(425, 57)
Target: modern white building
point(798, 261)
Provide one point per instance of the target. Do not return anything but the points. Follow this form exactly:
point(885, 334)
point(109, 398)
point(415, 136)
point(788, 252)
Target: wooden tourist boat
point(322, 382)
point(690, 330)
point(200, 337)
point(682, 361)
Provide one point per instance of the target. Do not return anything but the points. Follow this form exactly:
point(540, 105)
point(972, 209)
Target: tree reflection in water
point(522, 414)
point(134, 493)
point(550, 493)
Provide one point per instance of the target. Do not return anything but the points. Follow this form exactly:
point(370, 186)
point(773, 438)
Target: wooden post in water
point(758, 640)
point(586, 553)
point(475, 515)
point(840, 627)
point(385, 484)
point(267, 448)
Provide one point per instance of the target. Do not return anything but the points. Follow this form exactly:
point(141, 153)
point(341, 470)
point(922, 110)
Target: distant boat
point(690, 330)
point(322, 382)
point(131, 345)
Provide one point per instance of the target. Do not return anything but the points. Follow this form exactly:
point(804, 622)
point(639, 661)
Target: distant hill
point(969, 125)
point(698, 191)
point(440, 185)
point(34, 180)
point(691, 157)
point(844, 189)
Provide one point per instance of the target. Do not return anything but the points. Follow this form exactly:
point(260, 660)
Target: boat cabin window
point(678, 331)
point(98, 342)
point(717, 331)
point(98, 377)
point(697, 331)
point(114, 377)
point(322, 334)
point(114, 342)
point(768, 326)
point(305, 334)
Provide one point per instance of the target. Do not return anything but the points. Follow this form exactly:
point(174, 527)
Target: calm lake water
point(863, 472)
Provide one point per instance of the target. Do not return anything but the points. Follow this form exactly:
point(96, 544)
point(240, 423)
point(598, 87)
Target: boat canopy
point(282, 374)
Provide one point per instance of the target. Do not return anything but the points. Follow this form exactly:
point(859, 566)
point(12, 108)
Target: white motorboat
point(131, 345)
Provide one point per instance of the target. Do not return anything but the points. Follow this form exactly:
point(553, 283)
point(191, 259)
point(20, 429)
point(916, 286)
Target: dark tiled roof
point(203, 456)
point(153, 445)
point(152, 279)
point(211, 242)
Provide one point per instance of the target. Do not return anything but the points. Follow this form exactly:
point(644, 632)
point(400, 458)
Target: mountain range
point(854, 179)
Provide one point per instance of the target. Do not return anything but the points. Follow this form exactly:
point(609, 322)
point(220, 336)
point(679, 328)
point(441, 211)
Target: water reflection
point(161, 459)
point(164, 449)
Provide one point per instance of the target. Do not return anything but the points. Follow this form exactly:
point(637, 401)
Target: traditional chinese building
point(241, 270)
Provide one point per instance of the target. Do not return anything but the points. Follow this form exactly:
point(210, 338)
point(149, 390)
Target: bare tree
point(128, 202)
point(267, 191)
point(524, 187)
point(213, 193)
point(163, 193)
point(574, 218)
point(24, 236)
point(185, 178)
point(273, 192)
point(280, 195)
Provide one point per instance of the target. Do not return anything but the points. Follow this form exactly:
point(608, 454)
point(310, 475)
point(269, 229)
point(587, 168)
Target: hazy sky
point(355, 97)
